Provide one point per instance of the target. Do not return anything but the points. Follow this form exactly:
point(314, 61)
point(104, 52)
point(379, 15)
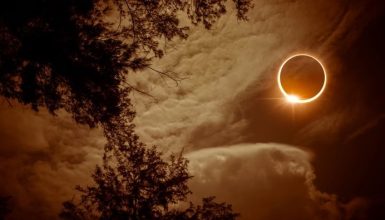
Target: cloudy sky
point(246, 145)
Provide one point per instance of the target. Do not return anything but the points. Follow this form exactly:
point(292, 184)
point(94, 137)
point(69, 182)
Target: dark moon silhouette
point(303, 77)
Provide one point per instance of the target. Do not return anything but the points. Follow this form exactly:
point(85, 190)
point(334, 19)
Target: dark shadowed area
point(302, 76)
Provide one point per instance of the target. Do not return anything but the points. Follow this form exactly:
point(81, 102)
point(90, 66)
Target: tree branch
point(141, 91)
point(167, 74)
point(132, 20)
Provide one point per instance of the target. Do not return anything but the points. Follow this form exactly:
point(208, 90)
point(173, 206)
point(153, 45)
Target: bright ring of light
point(292, 97)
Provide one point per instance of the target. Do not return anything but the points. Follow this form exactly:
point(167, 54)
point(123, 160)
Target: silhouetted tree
point(5, 208)
point(76, 55)
point(135, 183)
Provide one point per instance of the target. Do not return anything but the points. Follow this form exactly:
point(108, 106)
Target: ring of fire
point(293, 97)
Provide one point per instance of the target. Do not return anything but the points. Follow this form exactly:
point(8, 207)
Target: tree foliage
point(135, 183)
point(76, 55)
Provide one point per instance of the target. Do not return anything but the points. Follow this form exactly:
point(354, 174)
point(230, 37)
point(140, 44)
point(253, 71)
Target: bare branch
point(141, 91)
point(167, 74)
point(7, 100)
point(132, 20)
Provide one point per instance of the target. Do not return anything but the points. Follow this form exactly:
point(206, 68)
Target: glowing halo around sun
point(293, 98)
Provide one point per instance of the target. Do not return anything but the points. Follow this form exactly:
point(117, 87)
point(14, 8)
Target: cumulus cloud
point(262, 181)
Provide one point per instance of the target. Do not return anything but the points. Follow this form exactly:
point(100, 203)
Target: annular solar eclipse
point(302, 78)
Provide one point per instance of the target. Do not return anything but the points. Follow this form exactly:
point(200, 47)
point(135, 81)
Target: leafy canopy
point(135, 183)
point(76, 55)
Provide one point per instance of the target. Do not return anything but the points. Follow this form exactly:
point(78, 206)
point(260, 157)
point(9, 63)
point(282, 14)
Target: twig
point(167, 74)
point(9, 103)
point(141, 92)
point(132, 20)
point(120, 19)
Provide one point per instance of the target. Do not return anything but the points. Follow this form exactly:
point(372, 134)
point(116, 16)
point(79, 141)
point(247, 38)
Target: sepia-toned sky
point(246, 145)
